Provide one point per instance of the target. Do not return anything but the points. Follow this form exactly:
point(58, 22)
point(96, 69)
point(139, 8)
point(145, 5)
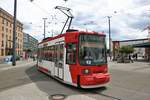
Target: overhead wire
point(42, 9)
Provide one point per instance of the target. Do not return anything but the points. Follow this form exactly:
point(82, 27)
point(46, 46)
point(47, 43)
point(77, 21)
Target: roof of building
point(131, 40)
point(146, 44)
point(8, 14)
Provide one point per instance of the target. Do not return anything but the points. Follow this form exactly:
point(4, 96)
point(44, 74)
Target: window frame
point(74, 60)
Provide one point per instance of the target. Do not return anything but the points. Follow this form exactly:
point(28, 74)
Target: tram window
point(39, 54)
point(61, 52)
point(49, 54)
point(52, 53)
point(55, 54)
point(71, 53)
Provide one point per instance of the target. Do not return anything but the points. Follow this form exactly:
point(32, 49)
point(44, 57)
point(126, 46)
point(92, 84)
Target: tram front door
point(59, 61)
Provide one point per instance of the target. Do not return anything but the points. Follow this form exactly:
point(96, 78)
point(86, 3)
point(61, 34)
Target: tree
point(124, 53)
point(126, 49)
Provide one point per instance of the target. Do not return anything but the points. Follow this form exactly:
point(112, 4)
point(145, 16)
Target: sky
point(128, 17)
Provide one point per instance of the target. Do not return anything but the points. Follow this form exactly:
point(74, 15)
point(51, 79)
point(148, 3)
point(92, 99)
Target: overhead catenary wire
point(39, 7)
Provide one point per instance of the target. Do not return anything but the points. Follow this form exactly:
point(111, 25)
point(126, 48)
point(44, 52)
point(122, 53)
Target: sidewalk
point(18, 63)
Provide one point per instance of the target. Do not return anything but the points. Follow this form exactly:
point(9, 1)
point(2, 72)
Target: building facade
point(6, 34)
point(140, 50)
point(29, 44)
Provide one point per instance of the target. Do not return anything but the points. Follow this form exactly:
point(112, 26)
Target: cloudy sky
point(128, 17)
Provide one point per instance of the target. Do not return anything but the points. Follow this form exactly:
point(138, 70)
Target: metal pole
point(14, 34)
point(70, 23)
point(44, 26)
point(64, 25)
point(109, 37)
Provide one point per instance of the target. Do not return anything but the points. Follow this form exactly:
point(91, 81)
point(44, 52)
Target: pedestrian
point(136, 56)
point(130, 58)
point(33, 58)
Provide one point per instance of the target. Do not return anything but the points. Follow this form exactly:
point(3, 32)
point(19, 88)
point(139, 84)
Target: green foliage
point(126, 49)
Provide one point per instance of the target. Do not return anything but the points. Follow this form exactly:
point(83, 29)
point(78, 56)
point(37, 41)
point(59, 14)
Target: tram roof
point(70, 31)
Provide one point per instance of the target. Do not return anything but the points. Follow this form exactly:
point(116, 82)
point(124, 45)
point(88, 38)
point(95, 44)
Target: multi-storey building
point(29, 44)
point(6, 34)
point(141, 46)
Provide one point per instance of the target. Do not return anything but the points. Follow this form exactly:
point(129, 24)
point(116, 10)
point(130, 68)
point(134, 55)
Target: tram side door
point(59, 61)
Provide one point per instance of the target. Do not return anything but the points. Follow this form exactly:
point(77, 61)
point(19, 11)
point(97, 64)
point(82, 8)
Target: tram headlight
point(85, 71)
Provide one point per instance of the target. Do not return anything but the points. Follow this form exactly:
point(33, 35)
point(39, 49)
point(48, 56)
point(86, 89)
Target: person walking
point(130, 58)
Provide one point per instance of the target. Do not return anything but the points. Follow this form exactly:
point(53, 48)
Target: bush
point(126, 49)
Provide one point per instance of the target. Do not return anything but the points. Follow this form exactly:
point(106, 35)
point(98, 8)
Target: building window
point(2, 43)
point(3, 21)
point(2, 28)
point(2, 52)
point(18, 46)
point(6, 29)
point(6, 37)
point(9, 44)
point(2, 35)
point(7, 23)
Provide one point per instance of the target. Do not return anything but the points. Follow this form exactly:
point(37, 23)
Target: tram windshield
point(92, 50)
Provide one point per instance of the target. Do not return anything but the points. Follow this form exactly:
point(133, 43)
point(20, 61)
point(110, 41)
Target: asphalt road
point(26, 83)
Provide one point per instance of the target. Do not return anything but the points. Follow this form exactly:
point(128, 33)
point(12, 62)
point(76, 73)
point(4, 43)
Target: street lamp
point(44, 26)
point(109, 17)
point(109, 36)
point(14, 34)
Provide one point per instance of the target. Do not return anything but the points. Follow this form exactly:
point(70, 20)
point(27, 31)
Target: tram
point(76, 57)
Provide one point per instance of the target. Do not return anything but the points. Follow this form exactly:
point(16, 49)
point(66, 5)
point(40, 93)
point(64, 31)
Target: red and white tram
point(77, 58)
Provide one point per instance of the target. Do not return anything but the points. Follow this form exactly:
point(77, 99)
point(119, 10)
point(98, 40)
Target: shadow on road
point(51, 86)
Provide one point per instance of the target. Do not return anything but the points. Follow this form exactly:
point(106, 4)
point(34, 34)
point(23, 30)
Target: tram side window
point(48, 55)
point(51, 53)
point(43, 54)
point(40, 54)
point(61, 52)
point(71, 53)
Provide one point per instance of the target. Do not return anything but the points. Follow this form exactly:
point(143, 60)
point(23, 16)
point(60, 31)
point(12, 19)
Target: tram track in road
point(95, 93)
point(63, 96)
point(98, 92)
point(108, 96)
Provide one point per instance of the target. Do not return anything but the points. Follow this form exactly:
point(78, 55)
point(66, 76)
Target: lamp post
point(109, 36)
point(14, 34)
point(44, 26)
